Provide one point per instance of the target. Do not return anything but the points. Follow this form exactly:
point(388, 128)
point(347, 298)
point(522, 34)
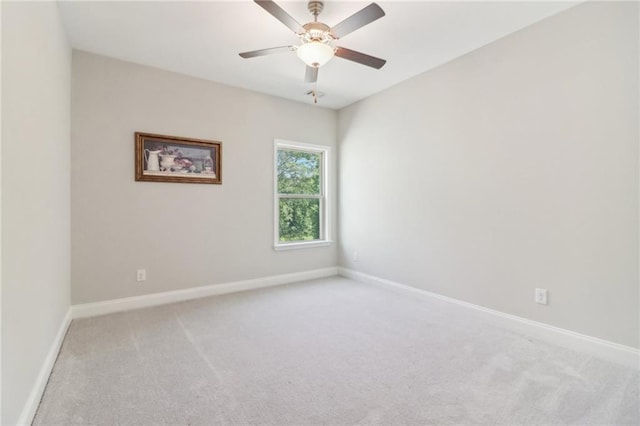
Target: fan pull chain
point(314, 92)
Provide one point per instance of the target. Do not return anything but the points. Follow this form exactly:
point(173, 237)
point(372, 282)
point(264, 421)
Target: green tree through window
point(300, 194)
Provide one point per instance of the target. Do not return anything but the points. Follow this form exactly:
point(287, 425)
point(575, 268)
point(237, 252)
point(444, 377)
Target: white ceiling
point(203, 39)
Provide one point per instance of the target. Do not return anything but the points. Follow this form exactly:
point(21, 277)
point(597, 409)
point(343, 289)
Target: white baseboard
point(154, 299)
point(594, 346)
point(31, 406)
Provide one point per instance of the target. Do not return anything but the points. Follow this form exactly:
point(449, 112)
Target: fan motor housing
point(316, 26)
point(316, 31)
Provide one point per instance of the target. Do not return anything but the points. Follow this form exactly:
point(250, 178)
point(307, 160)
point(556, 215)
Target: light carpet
point(331, 352)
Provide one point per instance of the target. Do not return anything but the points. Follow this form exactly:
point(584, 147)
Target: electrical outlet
point(356, 257)
point(141, 275)
point(541, 296)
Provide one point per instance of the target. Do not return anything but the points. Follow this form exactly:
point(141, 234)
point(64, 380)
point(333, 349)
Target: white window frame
point(325, 151)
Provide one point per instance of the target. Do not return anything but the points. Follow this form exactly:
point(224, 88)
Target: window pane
point(298, 172)
point(299, 219)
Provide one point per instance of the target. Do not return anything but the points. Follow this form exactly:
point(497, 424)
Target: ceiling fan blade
point(361, 58)
point(282, 16)
point(358, 20)
point(264, 52)
point(311, 74)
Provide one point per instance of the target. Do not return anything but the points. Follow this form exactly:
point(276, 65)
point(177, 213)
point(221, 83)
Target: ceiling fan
point(317, 39)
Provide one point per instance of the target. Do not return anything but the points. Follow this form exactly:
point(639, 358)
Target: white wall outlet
point(141, 275)
point(356, 256)
point(541, 296)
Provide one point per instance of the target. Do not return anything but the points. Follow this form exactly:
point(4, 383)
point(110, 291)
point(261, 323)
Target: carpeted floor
point(331, 352)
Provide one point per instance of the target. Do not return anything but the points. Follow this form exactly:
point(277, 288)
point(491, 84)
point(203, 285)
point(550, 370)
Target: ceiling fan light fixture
point(315, 53)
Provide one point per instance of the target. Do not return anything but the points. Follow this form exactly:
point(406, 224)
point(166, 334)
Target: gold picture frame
point(162, 158)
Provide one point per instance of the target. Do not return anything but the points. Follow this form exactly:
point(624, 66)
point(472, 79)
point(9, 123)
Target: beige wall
point(185, 235)
point(511, 168)
point(36, 75)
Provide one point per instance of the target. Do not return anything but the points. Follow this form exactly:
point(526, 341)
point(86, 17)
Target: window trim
point(324, 195)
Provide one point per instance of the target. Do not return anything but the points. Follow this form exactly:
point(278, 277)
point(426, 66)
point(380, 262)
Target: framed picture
point(162, 158)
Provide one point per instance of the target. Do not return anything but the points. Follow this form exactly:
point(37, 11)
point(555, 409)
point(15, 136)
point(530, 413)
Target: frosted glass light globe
point(314, 53)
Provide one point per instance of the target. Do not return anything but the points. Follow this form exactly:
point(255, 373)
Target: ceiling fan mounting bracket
point(315, 7)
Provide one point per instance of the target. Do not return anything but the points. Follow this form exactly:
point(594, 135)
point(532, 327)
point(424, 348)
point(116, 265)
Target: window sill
point(302, 245)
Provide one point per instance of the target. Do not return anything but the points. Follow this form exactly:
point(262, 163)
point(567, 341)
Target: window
point(300, 195)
